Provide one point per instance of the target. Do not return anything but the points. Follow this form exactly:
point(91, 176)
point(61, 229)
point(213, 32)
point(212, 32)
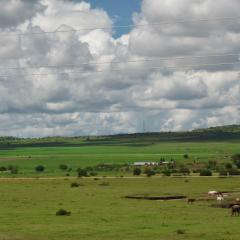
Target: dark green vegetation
point(63, 156)
point(97, 210)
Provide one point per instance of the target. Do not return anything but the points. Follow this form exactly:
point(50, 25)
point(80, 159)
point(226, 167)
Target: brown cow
point(235, 210)
point(191, 200)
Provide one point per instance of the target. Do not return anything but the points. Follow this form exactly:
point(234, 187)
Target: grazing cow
point(220, 197)
point(212, 193)
point(191, 200)
point(235, 210)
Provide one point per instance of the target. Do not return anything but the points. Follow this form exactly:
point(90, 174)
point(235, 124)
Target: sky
point(121, 11)
point(66, 69)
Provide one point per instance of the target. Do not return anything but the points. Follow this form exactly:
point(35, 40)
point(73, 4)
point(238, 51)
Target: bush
point(185, 156)
point(63, 167)
point(82, 172)
point(180, 231)
point(167, 172)
point(228, 166)
point(184, 170)
point(14, 170)
point(223, 172)
point(39, 168)
point(93, 174)
point(74, 184)
point(205, 172)
point(236, 159)
point(137, 171)
point(149, 172)
point(3, 169)
point(62, 212)
point(233, 172)
point(104, 184)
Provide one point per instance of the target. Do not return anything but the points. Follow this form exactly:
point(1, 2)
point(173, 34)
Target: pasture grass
point(28, 157)
point(100, 211)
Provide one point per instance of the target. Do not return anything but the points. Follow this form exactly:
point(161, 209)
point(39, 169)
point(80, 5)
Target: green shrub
point(167, 172)
point(93, 174)
point(82, 172)
point(205, 172)
point(228, 166)
point(236, 159)
point(14, 170)
point(233, 172)
point(184, 170)
point(63, 167)
point(74, 184)
point(104, 184)
point(62, 212)
point(39, 168)
point(180, 231)
point(137, 171)
point(223, 172)
point(3, 169)
point(185, 156)
point(149, 172)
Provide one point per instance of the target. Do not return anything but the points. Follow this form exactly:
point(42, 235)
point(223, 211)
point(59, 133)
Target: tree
point(137, 171)
point(82, 172)
point(228, 166)
point(63, 167)
point(236, 159)
point(14, 170)
point(167, 172)
point(149, 172)
point(185, 156)
point(205, 172)
point(39, 168)
point(184, 170)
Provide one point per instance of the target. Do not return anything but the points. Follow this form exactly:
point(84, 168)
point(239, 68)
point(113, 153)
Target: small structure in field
point(142, 164)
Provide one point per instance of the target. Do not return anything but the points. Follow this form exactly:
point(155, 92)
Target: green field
point(99, 209)
point(82, 152)
point(98, 212)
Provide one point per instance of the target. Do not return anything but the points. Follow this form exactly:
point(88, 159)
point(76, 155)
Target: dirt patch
point(156, 198)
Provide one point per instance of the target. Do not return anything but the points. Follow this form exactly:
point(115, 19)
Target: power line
point(186, 67)
point(128, 61)
point(226, 19)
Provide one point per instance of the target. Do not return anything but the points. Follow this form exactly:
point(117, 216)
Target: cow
point(191, 200)
point(235, 210)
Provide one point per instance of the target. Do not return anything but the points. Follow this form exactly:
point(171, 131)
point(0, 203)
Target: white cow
point(212, 193)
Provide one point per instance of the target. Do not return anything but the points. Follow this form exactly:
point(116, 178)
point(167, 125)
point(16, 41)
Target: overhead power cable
point(226, 19)
point(186, 67)
point(128, 61)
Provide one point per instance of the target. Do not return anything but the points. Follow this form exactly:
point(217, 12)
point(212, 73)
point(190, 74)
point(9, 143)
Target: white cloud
point(98, 100)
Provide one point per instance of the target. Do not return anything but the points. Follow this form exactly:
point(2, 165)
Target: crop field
point(81, 153)
point(99, 210)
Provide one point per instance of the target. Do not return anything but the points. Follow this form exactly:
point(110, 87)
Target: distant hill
point(227, 128)
point(220, 133)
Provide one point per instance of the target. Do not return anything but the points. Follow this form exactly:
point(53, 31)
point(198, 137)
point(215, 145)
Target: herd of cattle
point(235, 207)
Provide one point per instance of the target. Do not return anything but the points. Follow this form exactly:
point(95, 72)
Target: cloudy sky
point(174, 66)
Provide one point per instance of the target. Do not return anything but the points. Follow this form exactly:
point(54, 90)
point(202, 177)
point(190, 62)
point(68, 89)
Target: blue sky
point(121, 10)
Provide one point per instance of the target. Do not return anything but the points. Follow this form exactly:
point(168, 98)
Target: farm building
point(139, 164)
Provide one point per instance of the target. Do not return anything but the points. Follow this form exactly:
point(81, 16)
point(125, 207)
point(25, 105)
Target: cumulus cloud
point(15, 12)
point(47, 87)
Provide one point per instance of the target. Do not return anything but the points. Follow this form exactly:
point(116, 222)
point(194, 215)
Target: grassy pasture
point(83, 154)
point(28, 210)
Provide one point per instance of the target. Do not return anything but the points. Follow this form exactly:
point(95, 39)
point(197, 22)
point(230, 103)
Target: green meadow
point(100, 212)
point(123, 149)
